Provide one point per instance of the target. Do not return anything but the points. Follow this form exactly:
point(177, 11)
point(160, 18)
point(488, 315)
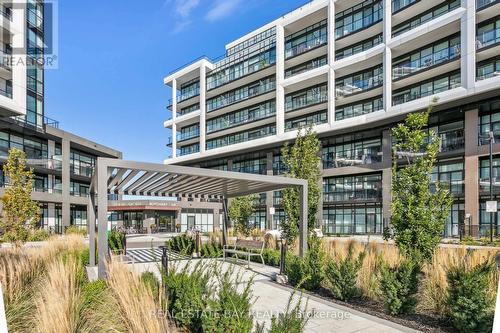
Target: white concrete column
point(203, 105)
point(280, 76)
point(174, 99)
point(331, 61)
point(387, 61)
point(468, 41)
point(174, 140)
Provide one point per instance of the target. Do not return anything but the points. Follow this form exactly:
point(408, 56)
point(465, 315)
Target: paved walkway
point(272, 298)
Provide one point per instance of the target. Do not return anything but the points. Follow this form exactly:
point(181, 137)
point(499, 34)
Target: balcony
point(359, 83)
point(82, 170)
point(407, 67)
point(191, 149)
point(488, 35)
point(305, 67)
point(450, 143)
point(361, 23)
point(302, 121)
point(308, 41)
point(398, 5)
point(184, 136)
point(354, 193)
point(338, 160)
point(6, 88)
point(488, 69)
point(482, 4)
point(241, 117)
point(310, 97)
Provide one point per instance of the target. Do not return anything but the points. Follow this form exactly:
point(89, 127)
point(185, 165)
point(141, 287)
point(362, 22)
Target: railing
point(360, 24)
point(251, 116)
point(6, 90)
point(333, 160)
point(50, 122)
point(242, 95)
point(398, 5)
point(302, 68)
point(355, 195)
point(483, 3)
point(359, 86)
point(450, 144)
point(410, 93)
point(488, 38)
point(409, 67)
point(304, 101)
point(189, 150)
point(215, 80)
point(306, 46)
point(188, 135)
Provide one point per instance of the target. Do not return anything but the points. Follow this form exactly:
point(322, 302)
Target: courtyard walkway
point(271, 298)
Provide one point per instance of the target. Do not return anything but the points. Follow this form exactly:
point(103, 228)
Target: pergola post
point(91, 228)
point(225, 221)
point(303, 220)
point(102, 213)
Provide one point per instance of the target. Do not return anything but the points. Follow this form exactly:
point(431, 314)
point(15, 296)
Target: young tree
point(240, 211)
point(302, 161)
point(20, 213)
point(419, 210)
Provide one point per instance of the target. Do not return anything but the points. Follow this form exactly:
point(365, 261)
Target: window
point(358, 82)
point(358, 17)
point(352, 188)
point(352, 153)
point(250, 114)
point(306, 39)
point(81, 163)
point(313, 119)
point(241, 137)
point(78, 216)
point(359, 108)
point(303, 98)
point(451, 175)
point(353, 219)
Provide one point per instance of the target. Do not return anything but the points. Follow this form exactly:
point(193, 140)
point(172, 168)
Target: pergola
point(114, 176)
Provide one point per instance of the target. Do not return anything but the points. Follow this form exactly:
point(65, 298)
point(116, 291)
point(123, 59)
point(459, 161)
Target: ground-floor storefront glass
point(353, 219)
point(78, 216)
point(456, 216)
point(201, 219)
point(485, 218)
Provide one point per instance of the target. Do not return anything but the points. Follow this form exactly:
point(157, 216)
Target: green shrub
point(93, 292)
point(74, 230)
point(272, 257)
point(182, 244)
point(399, 285)
point(116, 241)
point(308, 270)
point(38, 235)
point(341, 275)
point(293, 320)
point(211, 250)
point(151, 282)
point(186, 292)
point(229, 309)
point(471, 305)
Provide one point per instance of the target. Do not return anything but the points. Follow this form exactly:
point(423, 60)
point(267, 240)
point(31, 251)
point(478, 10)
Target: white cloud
point(184, 7)
point(221, 9)
point(181, 11)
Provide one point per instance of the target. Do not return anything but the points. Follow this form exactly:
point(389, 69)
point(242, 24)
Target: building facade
point(63, 162)
point(353, 69)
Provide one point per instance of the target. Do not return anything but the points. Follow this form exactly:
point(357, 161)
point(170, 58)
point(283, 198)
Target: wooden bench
point(247, 248)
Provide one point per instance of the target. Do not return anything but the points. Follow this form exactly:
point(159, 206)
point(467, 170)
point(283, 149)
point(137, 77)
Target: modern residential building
point(353, 69)
point(63, 162)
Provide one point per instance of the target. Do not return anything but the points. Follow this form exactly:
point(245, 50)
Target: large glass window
point(451, 135)
point(256, 166)
point(427, 88)
point(189, 89)
point(353, 219)
point(456, 216)
point(312, 119)
point(81, 163)
point(358, 47)
point(258, 220)
point(359, 108)
point(398, 5)
point(485, 218)
point(426, 16)
point(352, 153)
point(352, 188)
point(358, 82)
point(488, 68)
point(240, 117)
point(482, 4)
point(306, 97)
point(358, 17)
point(488, 33)
point(432, 55)
point(188, 132)
point(191, 149)
point(245, 136)
point(237, 95)
point(34, 148)
point(243, 68)
point(306, 39)
point(79, 189)
point(201, 219)
point(450, 174)
point(302, 68)
point(78, 216)
point(489, 121)
point(484, 174)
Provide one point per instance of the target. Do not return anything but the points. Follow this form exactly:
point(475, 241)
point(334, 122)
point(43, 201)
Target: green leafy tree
point(240, 211)
point(419, 207)
point(302, 161)
point(20, 212)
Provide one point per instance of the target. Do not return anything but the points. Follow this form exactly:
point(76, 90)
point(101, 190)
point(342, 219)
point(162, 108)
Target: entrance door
point(191, 222)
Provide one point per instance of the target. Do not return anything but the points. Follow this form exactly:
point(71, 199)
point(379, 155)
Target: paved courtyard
point(271, 298)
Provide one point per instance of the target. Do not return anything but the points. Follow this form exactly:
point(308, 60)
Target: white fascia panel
point(359, 57)
point(188, 69)
point(306, 75)
point(434, 24)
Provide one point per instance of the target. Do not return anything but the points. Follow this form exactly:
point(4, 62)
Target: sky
point(114, 54)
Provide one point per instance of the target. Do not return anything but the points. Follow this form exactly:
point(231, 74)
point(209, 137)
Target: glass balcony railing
point(82, 170)
point(183, 136)
point(487, 69)
point(191, 149)
point(398, 5)
point(239, 95)
point(241, 117)
point(486, 38)
point(361, 23)
point(305, 67)
point(317, 39)
point(311, 98)
point(480, 4)
point(354, 194)
point(358, 85)
point(6, 88)
point(408, 67)
point(335, 160)
point(451, 143)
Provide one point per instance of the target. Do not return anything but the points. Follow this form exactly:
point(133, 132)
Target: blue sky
point(114, 54)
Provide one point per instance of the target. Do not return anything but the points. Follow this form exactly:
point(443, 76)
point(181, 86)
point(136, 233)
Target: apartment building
point(353, 69)
point(63, 162)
